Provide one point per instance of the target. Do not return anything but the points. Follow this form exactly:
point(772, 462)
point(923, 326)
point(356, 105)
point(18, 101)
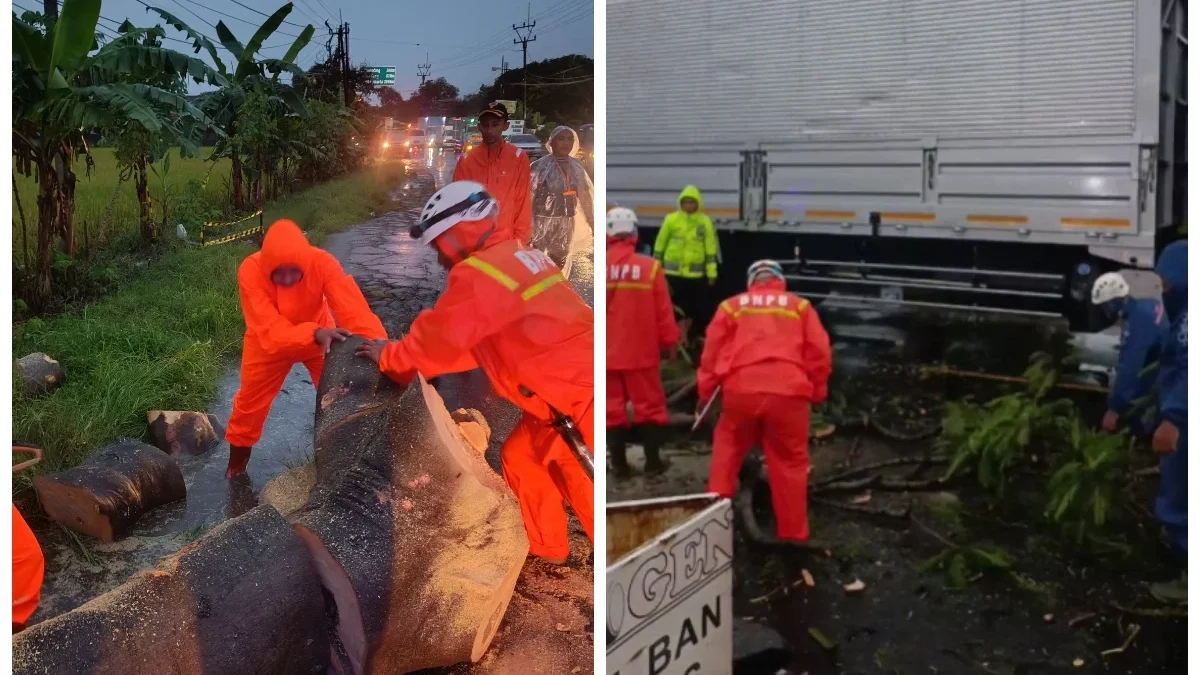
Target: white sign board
point(670, 601)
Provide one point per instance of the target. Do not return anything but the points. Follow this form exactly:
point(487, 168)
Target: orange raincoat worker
point(768, 352)
point(503, 169)
point(296, 300)
point(29, 568)
point(641, 326)
point(508, 310)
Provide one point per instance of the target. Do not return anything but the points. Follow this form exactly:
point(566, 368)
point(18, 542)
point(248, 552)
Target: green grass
point(164, 338)
point(92, 194)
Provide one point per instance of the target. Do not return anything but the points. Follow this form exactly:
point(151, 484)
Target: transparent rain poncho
point(562, 202)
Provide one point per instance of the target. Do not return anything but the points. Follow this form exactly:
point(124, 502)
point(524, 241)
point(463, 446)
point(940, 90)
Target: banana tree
point(62, 89)
point(249, 74)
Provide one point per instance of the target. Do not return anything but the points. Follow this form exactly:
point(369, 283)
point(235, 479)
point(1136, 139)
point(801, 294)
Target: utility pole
point(50, 9)
point(347, 88)
point(423, 69)
point(503, 66)
point(524, 41)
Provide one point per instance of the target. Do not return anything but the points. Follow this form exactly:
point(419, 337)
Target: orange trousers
point(779, 424)
point(29, 569)
point(261, 380)
point(542, 472)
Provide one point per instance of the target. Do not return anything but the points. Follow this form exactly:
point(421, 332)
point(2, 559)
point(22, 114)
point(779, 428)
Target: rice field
point(93, 193)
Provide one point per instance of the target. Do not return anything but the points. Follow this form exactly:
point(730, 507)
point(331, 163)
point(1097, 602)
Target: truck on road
point(964, 154)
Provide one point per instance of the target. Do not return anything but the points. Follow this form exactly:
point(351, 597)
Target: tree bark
point(48, 211)
point(242, 600)
point(145, 207)
point(106, 495)
point(418, 541)
point(235, 181)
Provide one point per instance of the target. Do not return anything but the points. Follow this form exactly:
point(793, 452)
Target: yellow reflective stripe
point(654, 269)
point(629, 286)
point(541, 286)
point(488, 269)
point(725, 306)
point(780, 311)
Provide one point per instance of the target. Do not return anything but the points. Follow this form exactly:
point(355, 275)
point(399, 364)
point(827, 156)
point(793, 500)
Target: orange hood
point(285, 244)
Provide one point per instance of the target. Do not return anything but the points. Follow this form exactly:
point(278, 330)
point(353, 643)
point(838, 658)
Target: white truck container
point(1003, 153)
point(670, 586)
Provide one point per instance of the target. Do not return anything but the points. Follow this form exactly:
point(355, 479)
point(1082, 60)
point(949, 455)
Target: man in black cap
point(503, 169)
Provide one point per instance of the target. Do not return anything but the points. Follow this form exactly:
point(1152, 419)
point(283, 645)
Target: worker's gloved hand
point(1166, 438)
point(326, 336)
point(1109, 423)
point(371, 349)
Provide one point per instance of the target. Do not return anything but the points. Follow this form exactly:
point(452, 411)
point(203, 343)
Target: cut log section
point(39, 374)
point(183, 433)
point(474, 428)
point(242, 600)
point(418, 541)
point(106, 495)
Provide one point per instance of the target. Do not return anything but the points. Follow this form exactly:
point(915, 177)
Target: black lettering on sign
point(687, 636)
point(692, 669)
point(660, 655)
point(710, 614)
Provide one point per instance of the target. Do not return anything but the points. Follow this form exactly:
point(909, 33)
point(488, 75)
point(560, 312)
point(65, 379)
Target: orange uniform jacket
point(508, 310)
point(29, 568)
point(280, 322)
point(766, 341)
point(641, 319)
point(505, 174)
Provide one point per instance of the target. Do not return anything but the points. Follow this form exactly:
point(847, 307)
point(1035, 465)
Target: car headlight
point(406, 144)
point(386, 144)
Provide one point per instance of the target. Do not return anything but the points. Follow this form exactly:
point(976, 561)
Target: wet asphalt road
point(399, 278)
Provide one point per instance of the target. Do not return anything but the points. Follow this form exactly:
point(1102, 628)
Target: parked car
point(530, 144)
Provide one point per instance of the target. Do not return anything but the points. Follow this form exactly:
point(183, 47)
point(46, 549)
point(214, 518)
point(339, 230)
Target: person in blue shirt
point(1144, 330)
point(1170, 438)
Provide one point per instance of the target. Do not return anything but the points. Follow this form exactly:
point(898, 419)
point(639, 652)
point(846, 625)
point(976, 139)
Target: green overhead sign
point(383, 74)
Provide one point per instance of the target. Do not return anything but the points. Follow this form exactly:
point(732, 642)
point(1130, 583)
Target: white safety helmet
point(621, 222)
point(463, 200)
point(1109, 286)
point(763, 268)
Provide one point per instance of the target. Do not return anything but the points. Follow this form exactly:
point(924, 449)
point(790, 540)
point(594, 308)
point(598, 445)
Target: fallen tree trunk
point(417, 540)
point(242, 600)
point(106, 495)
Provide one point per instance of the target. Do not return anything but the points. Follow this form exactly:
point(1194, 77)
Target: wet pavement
point(399, 278)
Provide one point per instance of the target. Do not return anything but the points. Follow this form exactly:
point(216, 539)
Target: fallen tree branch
point(891, 434)
point(901, 461)
point(1134, 629)
point(1165, 613)
point(681, 393)
point(884, 512)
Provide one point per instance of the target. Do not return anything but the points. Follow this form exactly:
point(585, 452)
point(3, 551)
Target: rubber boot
point(1172, 592)
point(239, 457)
point(618, 438)
point(651, 436)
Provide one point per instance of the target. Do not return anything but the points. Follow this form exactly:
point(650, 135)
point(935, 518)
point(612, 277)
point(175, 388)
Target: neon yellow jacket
point(687, 244)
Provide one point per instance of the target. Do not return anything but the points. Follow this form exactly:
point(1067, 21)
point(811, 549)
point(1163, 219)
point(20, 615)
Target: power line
point(487, 44)
point(239, 4)
point(237, 18)
point(580, 13)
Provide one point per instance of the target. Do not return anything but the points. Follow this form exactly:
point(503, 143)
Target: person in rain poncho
point(508, 311)
point(562, 197)
point(297, 301)
point(687, 247)
point(1170, 438)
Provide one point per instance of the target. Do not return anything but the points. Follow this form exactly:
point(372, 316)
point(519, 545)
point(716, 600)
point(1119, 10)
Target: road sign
point(383, 75)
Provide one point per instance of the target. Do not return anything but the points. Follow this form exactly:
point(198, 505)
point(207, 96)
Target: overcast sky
point(465, 39)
